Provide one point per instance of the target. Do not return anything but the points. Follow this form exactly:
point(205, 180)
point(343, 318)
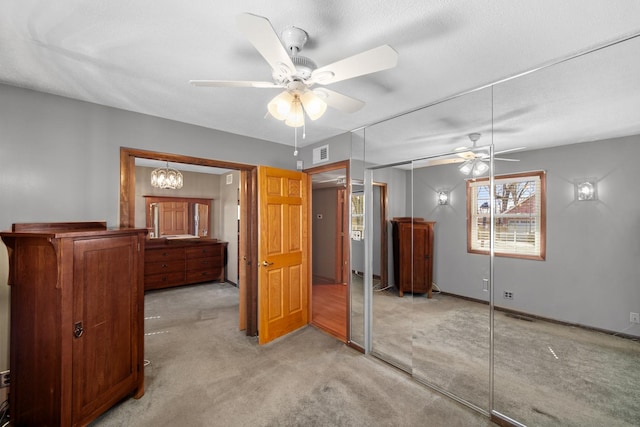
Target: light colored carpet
point(204, 372)
point(546, 374)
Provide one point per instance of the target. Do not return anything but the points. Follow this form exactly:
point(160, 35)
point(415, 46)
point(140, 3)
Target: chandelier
point(167, 178)
point(290, 106)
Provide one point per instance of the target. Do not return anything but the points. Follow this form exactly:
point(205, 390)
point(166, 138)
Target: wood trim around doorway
point(384, 240)
point(248, 202)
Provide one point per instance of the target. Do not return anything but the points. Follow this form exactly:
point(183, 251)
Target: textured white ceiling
point(139, 56)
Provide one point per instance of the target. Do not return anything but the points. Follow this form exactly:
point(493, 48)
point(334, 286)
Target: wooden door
point(342, 248)
point(282, 252)
point(421, 258)
point(174, 218)
point(105, 353)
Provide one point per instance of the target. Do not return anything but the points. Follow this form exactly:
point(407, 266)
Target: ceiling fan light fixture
point(466, 167)
point(295, 118)
point(280, 106)
point(480, 167)
point(313, 105)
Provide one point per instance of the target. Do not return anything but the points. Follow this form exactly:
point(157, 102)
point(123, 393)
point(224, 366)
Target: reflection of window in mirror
point(520, 217)
point(177, 216)
point(357, 216)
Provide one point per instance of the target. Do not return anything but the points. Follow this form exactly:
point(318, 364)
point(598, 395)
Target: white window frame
point(516, 244)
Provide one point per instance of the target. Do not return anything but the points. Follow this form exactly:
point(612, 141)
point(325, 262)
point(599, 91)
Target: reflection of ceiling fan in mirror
point(475, 159)
point(332, 178)
point(297, 74)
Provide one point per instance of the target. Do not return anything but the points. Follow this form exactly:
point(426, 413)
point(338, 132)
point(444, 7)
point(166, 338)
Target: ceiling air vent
point(321, 154)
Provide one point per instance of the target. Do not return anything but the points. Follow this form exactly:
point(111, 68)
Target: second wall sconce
point(586, 190)
point(443, 197)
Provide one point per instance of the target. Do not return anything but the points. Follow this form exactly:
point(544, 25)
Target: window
point(357, 216)
point(520, 218)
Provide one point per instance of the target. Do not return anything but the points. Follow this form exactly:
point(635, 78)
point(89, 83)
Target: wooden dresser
point(183, 261)
point(77, 314)
point(413, 255)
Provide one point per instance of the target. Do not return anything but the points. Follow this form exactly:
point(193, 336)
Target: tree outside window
point(520, 215)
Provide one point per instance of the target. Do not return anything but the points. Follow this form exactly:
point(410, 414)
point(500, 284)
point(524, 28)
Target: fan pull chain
point(295, 142)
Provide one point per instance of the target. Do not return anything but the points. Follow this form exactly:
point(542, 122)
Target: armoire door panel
point(104, 357)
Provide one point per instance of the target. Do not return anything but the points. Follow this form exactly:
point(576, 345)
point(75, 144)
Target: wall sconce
point(586, 190)
point(443, 197)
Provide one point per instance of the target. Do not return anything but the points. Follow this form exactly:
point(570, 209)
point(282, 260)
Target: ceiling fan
point(475, 158)
point(297, 74)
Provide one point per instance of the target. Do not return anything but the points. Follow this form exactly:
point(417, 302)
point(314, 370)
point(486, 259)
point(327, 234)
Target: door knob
point(266, 264)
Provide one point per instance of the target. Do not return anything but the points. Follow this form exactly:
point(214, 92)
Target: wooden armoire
point(413, 255)
point(76, 344)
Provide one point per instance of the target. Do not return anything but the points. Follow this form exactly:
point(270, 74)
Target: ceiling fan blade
point(377, 59)
point(339, 101)
point(510, 150)
point(234, 83)
point(264, 38)
point(506, 160)
point(436, 162)
point(467, 155)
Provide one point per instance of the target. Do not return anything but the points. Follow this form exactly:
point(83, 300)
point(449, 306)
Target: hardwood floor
point(329, 309)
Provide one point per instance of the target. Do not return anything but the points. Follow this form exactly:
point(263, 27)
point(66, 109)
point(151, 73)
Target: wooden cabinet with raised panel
point(413, 255)
point(183, 261)
point(76, 345)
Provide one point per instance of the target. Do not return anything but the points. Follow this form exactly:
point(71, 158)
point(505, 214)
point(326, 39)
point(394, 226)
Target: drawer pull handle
point(164, 266)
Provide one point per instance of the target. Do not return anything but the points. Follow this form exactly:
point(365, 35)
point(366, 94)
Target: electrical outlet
point(5, 379)
point(508, 295)
point(634, 317)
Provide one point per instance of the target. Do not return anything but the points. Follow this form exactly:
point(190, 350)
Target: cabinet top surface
point(67, 229)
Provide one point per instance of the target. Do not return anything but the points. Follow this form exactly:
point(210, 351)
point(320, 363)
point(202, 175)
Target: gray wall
point(339, 149)
point(591, 272)
point(59, 161)
point(325, 201)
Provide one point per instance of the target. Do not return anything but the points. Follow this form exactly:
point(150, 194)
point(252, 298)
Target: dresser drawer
point(158, 281)
point(164, 254)
point(168, 266)
point(197, 264)
point(204, 251)
point(204, 275)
